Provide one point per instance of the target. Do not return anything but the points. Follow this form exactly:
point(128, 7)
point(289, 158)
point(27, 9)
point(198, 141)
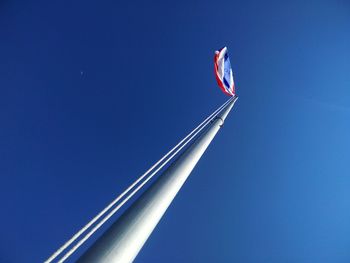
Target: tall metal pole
point(124, 239)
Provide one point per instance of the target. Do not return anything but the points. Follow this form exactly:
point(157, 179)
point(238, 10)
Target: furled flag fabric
point(223, 72)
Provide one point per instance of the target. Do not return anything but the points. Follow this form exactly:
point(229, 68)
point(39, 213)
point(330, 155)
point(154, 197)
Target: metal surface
point(125, 238)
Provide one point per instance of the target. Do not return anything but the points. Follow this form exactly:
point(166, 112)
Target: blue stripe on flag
point(227, 71)
point(227, 84)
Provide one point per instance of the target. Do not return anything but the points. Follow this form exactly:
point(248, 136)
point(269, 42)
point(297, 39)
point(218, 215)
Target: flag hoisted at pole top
point(223, 72)
point(123, 240)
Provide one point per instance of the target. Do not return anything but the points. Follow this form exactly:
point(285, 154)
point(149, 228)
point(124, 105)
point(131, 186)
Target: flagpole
point(124, 239)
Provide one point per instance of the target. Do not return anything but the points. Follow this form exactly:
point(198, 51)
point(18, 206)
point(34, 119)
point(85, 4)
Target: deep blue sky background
point(274, 185)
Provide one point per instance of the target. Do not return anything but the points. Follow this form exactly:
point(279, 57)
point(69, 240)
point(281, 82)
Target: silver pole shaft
point(124, 239)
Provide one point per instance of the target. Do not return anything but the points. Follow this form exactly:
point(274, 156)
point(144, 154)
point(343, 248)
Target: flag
point(223, 72)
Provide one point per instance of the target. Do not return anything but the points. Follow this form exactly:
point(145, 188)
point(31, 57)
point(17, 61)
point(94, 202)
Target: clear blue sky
point(93, 92)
